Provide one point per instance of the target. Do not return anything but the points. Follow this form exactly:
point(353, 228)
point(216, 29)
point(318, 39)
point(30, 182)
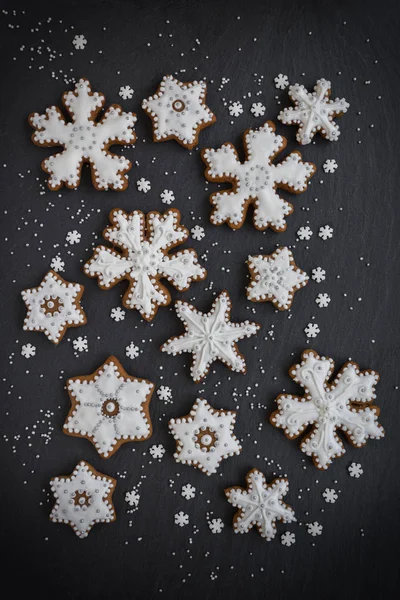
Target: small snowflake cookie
point(109, 407)
point(85, 140)
point(275, 278)
point(314, 111)
point(328, 407)
point(83, 499)
point(178, 111)
point(53, 307)
point(256, 180)
point(260, 504)
point(144, 258)
point(205, 437)
point(210, 336)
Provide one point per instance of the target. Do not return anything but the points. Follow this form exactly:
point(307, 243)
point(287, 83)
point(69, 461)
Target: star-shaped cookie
point(83, 499)
point(178, 111)
point(210, 336)
point(205, 437)
point(275, 278)
point(260, 504)
point(109, 407)
point(53, 306)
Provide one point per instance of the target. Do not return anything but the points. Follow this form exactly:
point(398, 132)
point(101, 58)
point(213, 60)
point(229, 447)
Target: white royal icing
point(313, 111)
point(205, 437)
point(255, 180)
point(178, 111)
point(53, 307)
point(210, 336)
point(83, 499)
point(276, 278)
point(329, 407)
point(110, 408)
point(145, 259)
point(84, 140)
point(260, 504)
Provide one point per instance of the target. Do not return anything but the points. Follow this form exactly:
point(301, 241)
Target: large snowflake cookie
point(256, 180)
point(260, 504)
point(314, 111)
point(145, 258)
point(210, 336)
point(178, 111)
point(328, 407)
point(205, 437)
point(109, 407)
point(53, 307)
point(275, 278)
point(84, 140)
point(83, 499)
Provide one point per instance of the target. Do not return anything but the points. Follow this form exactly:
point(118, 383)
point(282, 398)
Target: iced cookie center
point(205, 439)
point(178, 105)
point(257, 178)
point(146, 260)
point(83, 137)
point(110, 407)
point(81, 499)
point(52, 305)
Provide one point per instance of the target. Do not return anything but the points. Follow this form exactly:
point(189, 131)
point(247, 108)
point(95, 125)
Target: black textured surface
point(360, 201)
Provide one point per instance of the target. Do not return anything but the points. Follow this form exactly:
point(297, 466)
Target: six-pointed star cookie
point(275, 278)
point(109, 408)
point(260, 504)
point(83, 499)
point(205, 437)
point(178, 111)
point(210, 336)
point(53, 307)
point(314, 111)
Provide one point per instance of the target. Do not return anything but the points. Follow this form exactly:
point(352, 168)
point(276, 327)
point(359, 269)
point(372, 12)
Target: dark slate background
point(357, 554)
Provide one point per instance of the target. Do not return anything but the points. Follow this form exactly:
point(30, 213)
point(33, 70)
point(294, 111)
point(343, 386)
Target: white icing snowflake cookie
point(205, 437)
point(275, 278)
point(83, 499)
point(260, 504)
point(329, 407)
point(53, 307)
point(314, 111)
point(109, 407)
point(178, 111)
point(84, 140)
point(145, 244)
point(256, 180)
point(210, 336)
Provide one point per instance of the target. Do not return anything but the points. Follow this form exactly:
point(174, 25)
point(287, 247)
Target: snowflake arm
point(108, 266)
point(84, 140)
point(329, 407)
point(256, 180)
point(260, 504)
point(182, 268)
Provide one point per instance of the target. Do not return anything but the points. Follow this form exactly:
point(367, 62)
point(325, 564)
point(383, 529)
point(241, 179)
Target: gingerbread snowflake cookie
point(314, 111)
point(144, 258)
point(210, 336)
point(275, 278)
point(53, 307)
point(329, 407)
point(178, 111)
point(83, 499)
point(109, 408)
point(205, 437)
point(84, 140)
point(260, 504)
point(256, 180)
